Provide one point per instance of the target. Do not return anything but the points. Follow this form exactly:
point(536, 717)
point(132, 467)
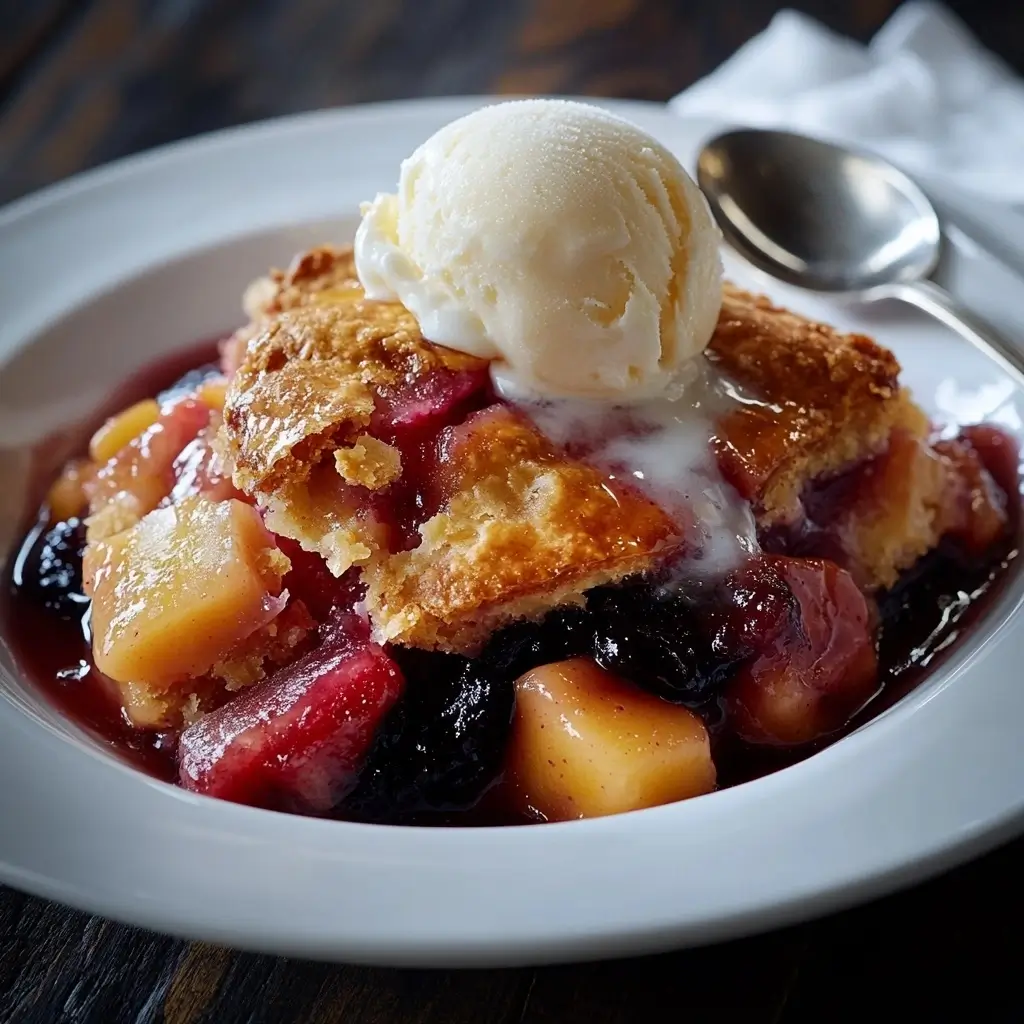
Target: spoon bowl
point(818, 215)
point(831, 219)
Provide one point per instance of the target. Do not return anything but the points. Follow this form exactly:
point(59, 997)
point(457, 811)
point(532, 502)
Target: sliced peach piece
point(176, 592)
point(142, 474)
point(212, 392)
point(586, 743)
point(200, 468)
point(120, 430)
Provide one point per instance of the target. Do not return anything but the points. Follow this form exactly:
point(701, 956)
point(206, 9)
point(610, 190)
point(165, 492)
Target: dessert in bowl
point(513, 513)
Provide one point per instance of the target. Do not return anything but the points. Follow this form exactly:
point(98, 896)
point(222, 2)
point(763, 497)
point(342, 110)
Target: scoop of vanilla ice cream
point(556, 239)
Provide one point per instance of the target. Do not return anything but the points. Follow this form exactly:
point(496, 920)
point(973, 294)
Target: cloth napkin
point(923, 93)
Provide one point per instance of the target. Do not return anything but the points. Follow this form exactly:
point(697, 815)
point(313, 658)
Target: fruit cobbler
point(513, 512)
point(335, 574)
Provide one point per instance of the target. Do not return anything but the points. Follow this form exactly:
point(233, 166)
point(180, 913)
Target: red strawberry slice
point(296, 741)
point(818, 669)
point(411, 415)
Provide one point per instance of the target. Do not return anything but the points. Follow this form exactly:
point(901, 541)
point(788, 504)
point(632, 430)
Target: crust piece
point(510, 526)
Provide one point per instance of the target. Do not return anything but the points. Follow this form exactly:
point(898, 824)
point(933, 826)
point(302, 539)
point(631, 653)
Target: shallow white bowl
point(100, 275)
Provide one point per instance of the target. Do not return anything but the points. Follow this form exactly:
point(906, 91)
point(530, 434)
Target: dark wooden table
point(85, 81)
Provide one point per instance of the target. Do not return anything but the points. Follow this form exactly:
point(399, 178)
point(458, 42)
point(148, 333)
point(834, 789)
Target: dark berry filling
point(440, 749)
point(564, 633)
point(656, 641)
point(49, 571)
point(442, 746)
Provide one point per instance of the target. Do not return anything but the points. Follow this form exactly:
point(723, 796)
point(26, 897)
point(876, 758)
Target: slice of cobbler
point(374, 448)
point(417, 583)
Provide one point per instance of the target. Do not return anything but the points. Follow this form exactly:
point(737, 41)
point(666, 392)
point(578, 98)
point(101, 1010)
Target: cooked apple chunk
point(177, 591)
point(586, 743)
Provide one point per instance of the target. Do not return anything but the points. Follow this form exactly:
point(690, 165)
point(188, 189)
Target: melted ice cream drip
point(663, 448)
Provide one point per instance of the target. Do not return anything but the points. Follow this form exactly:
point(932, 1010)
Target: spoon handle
point(939, 303)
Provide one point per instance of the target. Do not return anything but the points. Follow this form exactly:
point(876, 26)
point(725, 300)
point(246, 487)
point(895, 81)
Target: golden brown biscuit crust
point(826, 400)
point(523, 528)
point(313, 367)
point(307, 277)
point(309, 381)
point(829, 401)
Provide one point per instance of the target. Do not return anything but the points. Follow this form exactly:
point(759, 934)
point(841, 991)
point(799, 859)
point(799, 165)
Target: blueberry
point(656, 642)
point(442, 746)
point(50, 571)
point(189, 382)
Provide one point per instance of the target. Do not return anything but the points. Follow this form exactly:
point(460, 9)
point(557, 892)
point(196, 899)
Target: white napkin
point(924, 93)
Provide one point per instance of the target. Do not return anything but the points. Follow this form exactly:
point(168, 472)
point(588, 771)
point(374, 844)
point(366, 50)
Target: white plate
point(99, 275)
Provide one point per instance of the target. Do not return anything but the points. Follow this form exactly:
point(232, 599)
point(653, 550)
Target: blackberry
point(51, 569)
point(563, 633)
point(442, 746)
point(656, 642)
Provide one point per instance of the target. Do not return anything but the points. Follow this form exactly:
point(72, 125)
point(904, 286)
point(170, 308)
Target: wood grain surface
point(85, 81)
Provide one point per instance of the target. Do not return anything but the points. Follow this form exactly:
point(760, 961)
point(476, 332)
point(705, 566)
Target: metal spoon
point(834, 220)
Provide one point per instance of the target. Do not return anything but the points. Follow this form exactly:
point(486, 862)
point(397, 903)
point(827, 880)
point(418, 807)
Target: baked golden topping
point(309, 381)
point(521, 529)
point(825, 400)
point(327, 375)
point(276, 556)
